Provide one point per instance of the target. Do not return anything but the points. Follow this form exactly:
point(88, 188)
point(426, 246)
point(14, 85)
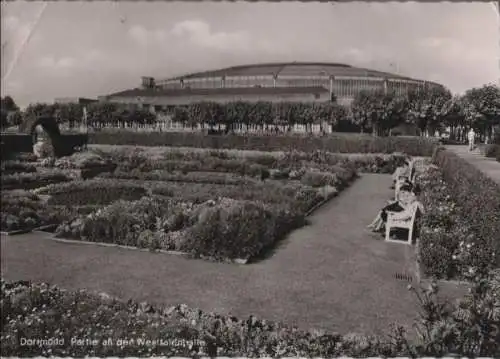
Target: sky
point(88, 49)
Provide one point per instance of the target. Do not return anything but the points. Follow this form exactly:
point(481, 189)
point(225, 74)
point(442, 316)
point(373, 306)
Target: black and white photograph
point(250, 179)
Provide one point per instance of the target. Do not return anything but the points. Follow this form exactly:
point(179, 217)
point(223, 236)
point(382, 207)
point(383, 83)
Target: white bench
point(401, 180)
point(403, 220)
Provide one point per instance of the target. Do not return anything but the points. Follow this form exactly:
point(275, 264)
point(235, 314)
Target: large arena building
point(275, 82)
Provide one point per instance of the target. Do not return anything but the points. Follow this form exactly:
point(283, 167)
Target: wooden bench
point(402, 220)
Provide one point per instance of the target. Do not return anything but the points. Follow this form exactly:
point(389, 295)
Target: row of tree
point(434, 109)
point(431, 110)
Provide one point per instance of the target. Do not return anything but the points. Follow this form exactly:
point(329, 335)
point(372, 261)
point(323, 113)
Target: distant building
point(274, 82)
point(76, 100)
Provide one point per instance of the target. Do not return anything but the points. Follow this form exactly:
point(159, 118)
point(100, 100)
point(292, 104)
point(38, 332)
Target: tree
point(453, 117)
point(4, 121)
point(181, 116)
point(378, 111)
point(14, 118)
point(100, 113)
point(8, 104)
point(426, 107)
point(482, 108)
point(70, 113)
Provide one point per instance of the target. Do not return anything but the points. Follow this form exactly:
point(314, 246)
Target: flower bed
point(10, 167)
point(92, 192)
point(413, 146)
point(477, 198)
point(194, 177)
point(23, 210)
point(221, 230)
point(247, 164)
point(368, 163)
point(448, 246)
point(32, 180)
point(245, 219)
point(41, 312)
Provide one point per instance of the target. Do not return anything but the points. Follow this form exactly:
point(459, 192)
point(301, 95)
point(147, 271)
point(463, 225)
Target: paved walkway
point(331, 274)
point(489, 166)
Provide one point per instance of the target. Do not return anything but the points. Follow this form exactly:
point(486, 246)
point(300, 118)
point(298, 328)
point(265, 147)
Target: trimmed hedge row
point(493, 151)
point(413, 146)
point(477, 196)
point(14, 143)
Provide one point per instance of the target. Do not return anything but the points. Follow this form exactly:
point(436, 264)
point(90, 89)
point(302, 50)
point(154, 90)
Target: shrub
point(232, 229)
point(469, 328)
point(493, 151)
point(319, 179)
point(477, 197)
point(124, 222)
point(413, 146)
point(83, 160)
point(44, 149)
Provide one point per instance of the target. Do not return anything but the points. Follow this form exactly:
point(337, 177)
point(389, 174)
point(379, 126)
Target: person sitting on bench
point(406, 198)
point(401, 172)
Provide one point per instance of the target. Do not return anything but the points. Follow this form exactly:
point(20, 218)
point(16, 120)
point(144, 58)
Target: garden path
point(332, 274)
point(487, 165)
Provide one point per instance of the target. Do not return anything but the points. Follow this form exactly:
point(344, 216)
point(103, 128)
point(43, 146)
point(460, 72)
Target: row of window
point(342, 87)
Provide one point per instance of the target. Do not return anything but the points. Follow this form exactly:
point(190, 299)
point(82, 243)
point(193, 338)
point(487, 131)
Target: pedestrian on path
point(471, 137)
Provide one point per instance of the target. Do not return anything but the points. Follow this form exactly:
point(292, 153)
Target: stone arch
point(49, 126)
point(48, 123)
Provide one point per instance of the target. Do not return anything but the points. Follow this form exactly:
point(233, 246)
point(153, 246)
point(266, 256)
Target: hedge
point(493, 151)
point(13, 143)
point(477, 196)
point(413, 146)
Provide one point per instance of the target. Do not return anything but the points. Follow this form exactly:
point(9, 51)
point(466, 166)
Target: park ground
point(332, 274)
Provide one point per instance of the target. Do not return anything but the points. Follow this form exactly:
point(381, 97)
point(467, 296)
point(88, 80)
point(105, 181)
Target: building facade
point(74, 100)
point(297, 82)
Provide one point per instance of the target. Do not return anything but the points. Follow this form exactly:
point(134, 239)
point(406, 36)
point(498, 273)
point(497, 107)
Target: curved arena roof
point(291, 69)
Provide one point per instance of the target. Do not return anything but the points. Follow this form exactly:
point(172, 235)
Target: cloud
point(53, 63)
point(200, 33)
point(432, 42)
point(139, 34)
